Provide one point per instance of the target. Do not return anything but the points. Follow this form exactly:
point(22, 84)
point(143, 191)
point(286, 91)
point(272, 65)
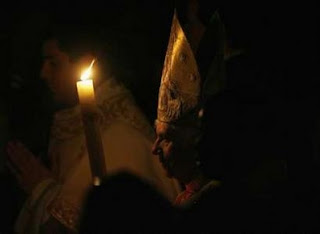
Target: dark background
point(287, 40)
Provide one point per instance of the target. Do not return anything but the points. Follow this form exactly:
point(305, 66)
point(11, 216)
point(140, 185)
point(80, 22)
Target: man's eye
point(53, 64)
point(160, 138)
point(165, 139)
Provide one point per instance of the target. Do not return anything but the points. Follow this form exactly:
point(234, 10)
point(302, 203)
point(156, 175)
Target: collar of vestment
point(114, 102)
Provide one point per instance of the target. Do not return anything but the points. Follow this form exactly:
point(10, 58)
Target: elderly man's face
point(175, 147)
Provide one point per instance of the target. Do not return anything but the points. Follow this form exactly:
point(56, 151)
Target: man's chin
point(168, 173)
point(60, 103)
point(166, 169)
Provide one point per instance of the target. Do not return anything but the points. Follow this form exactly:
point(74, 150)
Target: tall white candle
point(86, 92)
point(91, 126)
point(85, 87)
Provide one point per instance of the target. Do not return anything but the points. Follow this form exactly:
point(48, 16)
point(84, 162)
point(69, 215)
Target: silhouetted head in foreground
point(124, 202)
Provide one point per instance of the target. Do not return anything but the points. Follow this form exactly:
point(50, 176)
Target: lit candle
point(85, 87)
point(91, 126)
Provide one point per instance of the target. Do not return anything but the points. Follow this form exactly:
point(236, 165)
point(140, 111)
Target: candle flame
point(87, 73)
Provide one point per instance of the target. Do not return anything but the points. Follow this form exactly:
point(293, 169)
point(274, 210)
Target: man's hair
point(75, 38)
point(78, 37)
point(133, 203)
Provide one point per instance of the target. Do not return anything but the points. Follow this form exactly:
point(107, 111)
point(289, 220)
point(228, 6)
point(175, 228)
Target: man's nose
point(155, 148)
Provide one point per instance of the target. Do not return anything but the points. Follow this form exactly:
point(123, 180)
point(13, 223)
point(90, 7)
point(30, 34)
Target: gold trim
point(65, 212)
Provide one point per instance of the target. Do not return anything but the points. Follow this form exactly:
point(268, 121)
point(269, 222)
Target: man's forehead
point(158, 123)
point(163, 127)
point(56, 55)
point(167, 128)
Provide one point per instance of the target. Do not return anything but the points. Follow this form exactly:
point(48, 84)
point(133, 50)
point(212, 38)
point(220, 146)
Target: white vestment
point(127, 139)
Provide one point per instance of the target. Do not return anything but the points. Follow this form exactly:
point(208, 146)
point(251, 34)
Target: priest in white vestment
point(56, 194)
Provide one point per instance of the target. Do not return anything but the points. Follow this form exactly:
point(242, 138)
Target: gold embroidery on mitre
point(180, 86)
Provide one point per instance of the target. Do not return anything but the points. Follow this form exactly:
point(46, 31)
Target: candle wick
point(92, 64)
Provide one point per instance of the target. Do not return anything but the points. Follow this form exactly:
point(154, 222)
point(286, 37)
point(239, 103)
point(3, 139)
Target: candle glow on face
point(85, 87)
